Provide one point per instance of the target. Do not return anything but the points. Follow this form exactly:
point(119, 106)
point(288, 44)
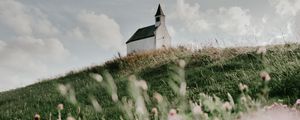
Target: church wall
point(141, 45)
point(162, 37)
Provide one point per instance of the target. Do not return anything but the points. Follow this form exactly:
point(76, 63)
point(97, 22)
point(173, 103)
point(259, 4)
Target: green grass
point(211, 71)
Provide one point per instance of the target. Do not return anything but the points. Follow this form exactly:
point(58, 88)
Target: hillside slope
point(212, 71)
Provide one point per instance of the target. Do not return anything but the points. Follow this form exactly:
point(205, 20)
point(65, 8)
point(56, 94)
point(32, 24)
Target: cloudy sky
point(44, 38)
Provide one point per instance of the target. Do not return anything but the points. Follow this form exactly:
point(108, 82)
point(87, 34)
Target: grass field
point(211, 71)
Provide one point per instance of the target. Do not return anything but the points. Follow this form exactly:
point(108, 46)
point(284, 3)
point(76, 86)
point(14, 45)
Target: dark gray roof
point(159, 11)
point(142, 33)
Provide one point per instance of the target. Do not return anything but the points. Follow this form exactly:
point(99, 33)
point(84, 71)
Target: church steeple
point(159, 17)
point(159, 11)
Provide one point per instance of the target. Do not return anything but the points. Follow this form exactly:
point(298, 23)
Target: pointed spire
point(159, 11)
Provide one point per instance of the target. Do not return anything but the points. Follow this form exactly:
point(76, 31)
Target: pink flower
point(37, 117)
point(197, 110)
point(298, 102)
point(265, 76)
point(173, 115)
point(227, 106)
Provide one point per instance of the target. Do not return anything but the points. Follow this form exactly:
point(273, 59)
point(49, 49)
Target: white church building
point(151, 37)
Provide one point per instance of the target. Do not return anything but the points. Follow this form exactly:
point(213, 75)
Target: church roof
point(142, 33)
point(159, 11)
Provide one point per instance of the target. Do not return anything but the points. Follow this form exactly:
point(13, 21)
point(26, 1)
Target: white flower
point(261, 50)
point(243, 99)
point(182, 89)
point(60, 106)
point(97, 77)
point(96, 105)
point(243, 87)
point(140, 105)
point(115, 97)
point(154, 111)
point(227, 106)
point(197, 110)
point(62, 89)
point(142, 84)
point(265, 76)
point(181, 63)
point(71, 118)
point(158, 97)
point(37, 117)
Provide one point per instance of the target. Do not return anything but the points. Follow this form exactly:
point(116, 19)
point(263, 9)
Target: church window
point(157, 19)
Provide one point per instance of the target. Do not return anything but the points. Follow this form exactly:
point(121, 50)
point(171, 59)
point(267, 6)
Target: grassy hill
point(212, 71)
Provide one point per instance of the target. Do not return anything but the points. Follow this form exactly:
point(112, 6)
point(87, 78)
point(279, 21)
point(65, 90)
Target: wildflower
point(115, 97)
point(227, 106)
point(243, 87)
point(142, 84)
point(37, 117)
point(261, 50)
point(205, 115)
point(265, 76)
point(298, 102)
point(277, 112)
point(97, 77)
point(78, 110)
point(181, 63)
point(60, 106)
point(96, 104)
point(182, 89)
point(158, 97)
point(70, 118)
point(173, 115)
point(154, 111)
point(140, 105)
point(216, 118)
point(62, 89)
point(72, 96)
point(276, 106)
point(243, 99)
point(197, 110)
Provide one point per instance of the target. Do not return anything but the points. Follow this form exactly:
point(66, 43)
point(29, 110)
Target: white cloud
point(191, 16)
point(286, 7)
point(23, 20)
point(32, 46)
point(2, 45)
point(47, 49)
point(297, 27)
point(100, 28)
point(13, 15)
point(25, 59)
point(232, 20)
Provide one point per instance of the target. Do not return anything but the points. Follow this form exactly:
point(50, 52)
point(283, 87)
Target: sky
point(42, 39)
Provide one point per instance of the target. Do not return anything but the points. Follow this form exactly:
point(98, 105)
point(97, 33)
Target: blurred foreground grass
point(211, 71)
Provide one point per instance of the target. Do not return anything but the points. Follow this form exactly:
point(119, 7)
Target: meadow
point(210, 83)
